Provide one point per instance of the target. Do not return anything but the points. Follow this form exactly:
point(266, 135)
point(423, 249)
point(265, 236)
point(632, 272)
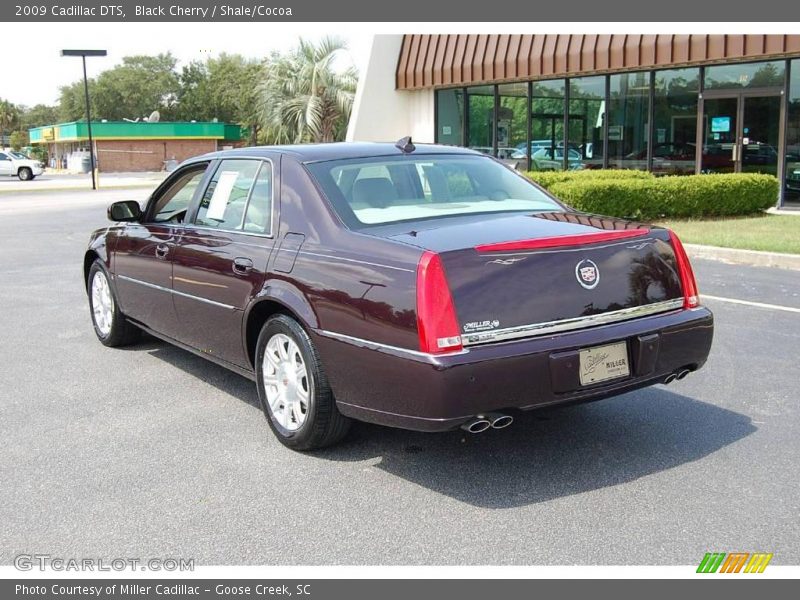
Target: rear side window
point(238, 197)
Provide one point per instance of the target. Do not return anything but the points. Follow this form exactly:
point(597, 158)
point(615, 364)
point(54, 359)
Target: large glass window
point(450, 117)
point(628, 120)
point(480, 107)
point(512, 123)
point(675, 98)
point(745, 75)
point(791, 195)
point(587, 110)
point(547, 125)
point(372, 191)
point(228, 197)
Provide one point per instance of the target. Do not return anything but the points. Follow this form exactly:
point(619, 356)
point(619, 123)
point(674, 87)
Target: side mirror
point(126, 211)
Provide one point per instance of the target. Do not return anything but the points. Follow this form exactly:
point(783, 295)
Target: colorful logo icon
point(734, 562)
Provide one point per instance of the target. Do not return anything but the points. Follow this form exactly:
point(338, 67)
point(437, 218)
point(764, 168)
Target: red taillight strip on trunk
point(437, 323)
point(562, 240)
point(691, 298)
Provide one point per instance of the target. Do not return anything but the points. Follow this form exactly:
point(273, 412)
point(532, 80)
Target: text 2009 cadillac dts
point(426, 287)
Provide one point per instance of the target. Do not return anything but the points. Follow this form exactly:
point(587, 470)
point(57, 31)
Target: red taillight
point(436, 315)
point(691, 298)
point(562, 240)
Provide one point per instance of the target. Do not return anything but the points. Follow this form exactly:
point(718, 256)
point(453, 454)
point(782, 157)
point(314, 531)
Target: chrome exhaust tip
point(499, 420)
point(682, 373)
point(477, 425)
point(670, 378)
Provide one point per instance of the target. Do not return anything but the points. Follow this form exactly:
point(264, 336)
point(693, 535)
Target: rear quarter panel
point(354, 284)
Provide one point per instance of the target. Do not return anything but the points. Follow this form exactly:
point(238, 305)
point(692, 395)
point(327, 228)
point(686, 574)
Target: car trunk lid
point(555, 272)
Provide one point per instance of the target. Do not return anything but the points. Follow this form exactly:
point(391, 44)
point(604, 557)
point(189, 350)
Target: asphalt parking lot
point(150, 451)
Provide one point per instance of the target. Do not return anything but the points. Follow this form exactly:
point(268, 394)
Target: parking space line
point(791, 309)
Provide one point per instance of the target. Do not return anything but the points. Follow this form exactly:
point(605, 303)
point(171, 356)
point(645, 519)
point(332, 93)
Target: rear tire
point(293, 388)
point(25, 174)
point(110, 325)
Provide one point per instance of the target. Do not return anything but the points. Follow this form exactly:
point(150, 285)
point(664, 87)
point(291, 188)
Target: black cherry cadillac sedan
point(425, 287)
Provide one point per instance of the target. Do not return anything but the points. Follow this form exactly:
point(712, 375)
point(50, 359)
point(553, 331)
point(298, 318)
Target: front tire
point(293, 388)
point(110, 325)
point(25, 174)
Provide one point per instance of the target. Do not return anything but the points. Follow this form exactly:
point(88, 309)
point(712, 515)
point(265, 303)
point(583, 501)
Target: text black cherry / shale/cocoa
point(219, 10)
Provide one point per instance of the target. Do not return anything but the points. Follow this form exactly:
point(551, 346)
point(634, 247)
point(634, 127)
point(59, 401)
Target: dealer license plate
point(602, 363)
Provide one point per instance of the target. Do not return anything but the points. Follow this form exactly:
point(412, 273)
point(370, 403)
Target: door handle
point(162, 250)
point(242, 266)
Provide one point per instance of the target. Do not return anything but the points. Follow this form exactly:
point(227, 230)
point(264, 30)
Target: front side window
point(238, 197)
point(172, 205)
point(373, 191)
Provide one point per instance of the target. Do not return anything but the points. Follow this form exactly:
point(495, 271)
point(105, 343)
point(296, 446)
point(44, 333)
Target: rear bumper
point(417, 391)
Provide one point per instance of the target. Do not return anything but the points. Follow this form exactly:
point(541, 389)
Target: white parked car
point(15, 163)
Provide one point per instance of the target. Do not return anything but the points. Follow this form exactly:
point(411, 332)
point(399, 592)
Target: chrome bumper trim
point(549, 327)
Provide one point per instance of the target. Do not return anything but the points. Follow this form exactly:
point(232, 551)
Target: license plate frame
point(599, 364)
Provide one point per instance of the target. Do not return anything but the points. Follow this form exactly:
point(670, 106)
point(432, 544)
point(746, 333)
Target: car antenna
point(405, 145)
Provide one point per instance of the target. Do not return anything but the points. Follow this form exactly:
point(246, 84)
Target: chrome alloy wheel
point(286, 382)
point(102, 303)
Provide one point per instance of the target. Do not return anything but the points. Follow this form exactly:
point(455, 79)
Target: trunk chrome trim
point(512, 333)
point(536, 329)
point(176, 292)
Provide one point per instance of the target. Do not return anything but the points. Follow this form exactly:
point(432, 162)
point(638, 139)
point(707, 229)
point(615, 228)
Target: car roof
point(337, 151)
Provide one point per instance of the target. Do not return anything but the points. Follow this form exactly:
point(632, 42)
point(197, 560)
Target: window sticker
point(222, 193)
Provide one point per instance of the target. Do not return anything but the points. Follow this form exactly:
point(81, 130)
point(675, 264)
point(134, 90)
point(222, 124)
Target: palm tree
point(303, 99)
point(9, 114)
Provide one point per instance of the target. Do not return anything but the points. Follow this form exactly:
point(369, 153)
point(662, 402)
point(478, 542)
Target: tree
point(193, 98)
point(222, 88)
point(303, 98)
point(140, 85)
point(72, 102)
point(232, 86)
point(18, 139)
point(9, 117)
point(37, 116)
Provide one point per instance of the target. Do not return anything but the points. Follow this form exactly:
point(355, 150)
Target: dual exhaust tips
point(481, 423)
point(679, 374)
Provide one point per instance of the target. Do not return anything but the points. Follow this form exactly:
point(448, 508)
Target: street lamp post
point(83, 54)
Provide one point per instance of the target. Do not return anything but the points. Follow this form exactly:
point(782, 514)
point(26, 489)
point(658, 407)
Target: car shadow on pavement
point(211, 373)
point(545, 454)
point(554, 452)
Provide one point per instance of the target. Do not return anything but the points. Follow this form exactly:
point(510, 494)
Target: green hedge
point(548, 178)
point(645, 197)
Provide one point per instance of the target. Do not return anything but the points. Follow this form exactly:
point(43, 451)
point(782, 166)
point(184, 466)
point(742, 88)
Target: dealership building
point(670, 104)
point(123, 146)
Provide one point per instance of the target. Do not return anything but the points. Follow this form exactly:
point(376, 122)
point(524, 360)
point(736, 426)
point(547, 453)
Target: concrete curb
point(736, 256)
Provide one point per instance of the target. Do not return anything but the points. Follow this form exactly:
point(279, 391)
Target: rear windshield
point(374, 191)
